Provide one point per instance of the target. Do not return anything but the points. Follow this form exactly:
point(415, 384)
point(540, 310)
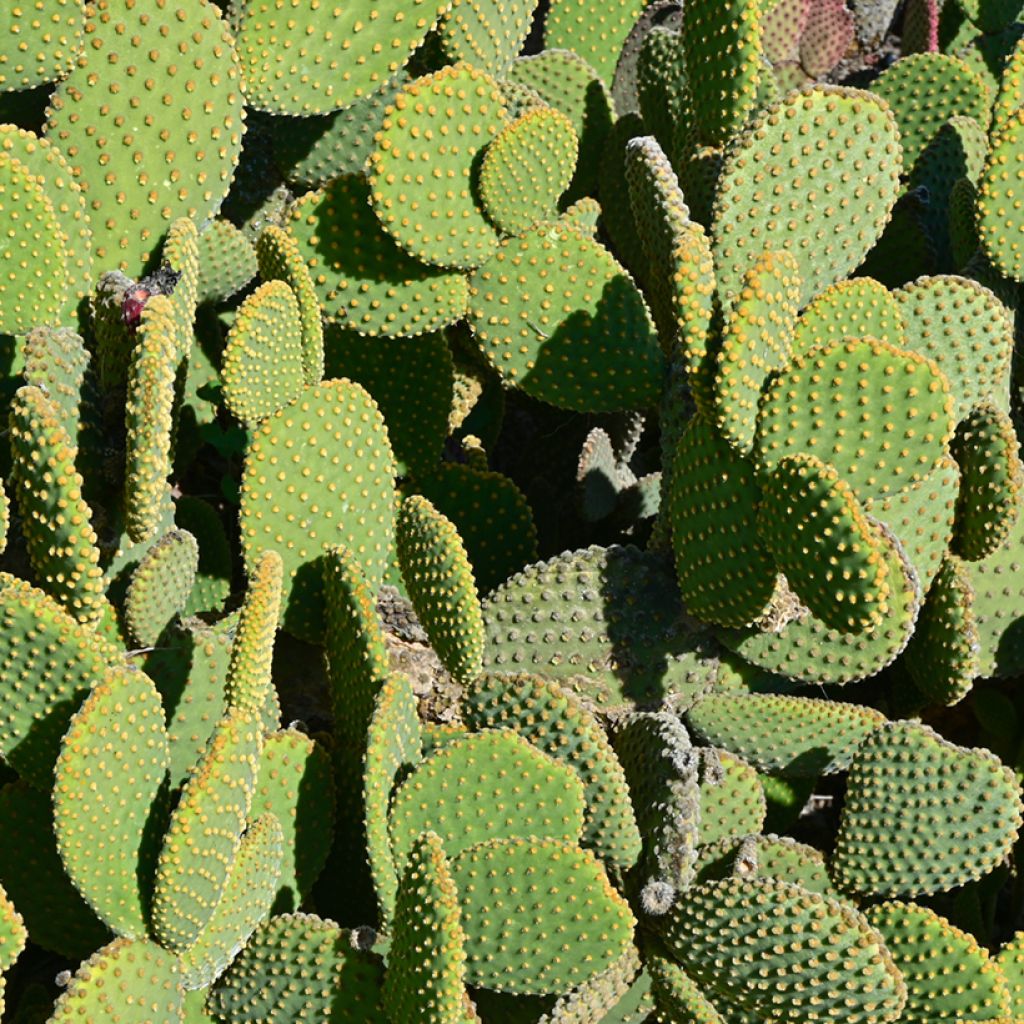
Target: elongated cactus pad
point(108, 779)
point(922, 815)
point(334, 421)
point(425, 979)
point(527, 793)
point(829, 239)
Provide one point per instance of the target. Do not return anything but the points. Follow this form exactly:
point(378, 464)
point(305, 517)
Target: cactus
point(160, 586)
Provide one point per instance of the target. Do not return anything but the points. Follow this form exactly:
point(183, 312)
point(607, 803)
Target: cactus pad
point(193, 74)
point(486, 33)
point(425, 979)
point(727, 934)
point(833, 558)
point(903, 414)
point(558, 316)
point(443, 121)
point(249, 680)
point(227, 262)
point(504, 891)
point(558, 724)
point(525, 170)
point(334, 421)
point(791, 736)
point(965, 330)
point(262, 361)
point(947, 974)
point(118, 737)
point(128, 981)
point(300, 969)
point(991, 476)
point(725, 572)
point(828, 239)
point(606, 623)
point(39, 41)
point(160, 586)
point(525, 792)
point(205, 831)
point(362, 278)
point(732, 800)
point(857, 308)
point(922, 815)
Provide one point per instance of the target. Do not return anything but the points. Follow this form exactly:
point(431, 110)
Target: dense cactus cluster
point(510, 511)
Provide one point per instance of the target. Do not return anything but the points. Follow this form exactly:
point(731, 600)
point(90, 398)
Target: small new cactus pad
point(362, 278)
point(732, 800)
point(295, 784)
point(310, 59)
point(557, 723)
point(947, 974)
point(726, 574)
point(394, 742)
point(279, 259)
point(965, 330)
point(354, 644)
point(491, 514)
point(772, 948)
point(662, 772)
point(924, 90)
point(792, 736)
point(444, 121)
point(204, 833)
point(160, 586)
point(565, 81)
point(149, 415)
point(412, 380)
point(33, 875)
point(51, 661)
point(722, 43)
point(56, 521)
point(1000, 222)
point(185, 112)
point(943, 655)
point(335, 423)
point(252, 651)
point(261, 370)
point(756, 342)
point(486, 33)
point(900, 403)
point(677, 996)
point(857, 308)
point(557, 316)
point(833, 558)
point(425, 979)
point(991, 476)
point(39, 41)
point(34, 272)
point(45, 161)
point(300, 969)
point(108, 777)
point(996, 583)
point(922, 815)
point(130, 981)
point(521, 941)
point(607, 623)
point(227, 261)
point(526, 793)
point(525, 170)
point(827, 237)
point(439, 581)
point(246, 901)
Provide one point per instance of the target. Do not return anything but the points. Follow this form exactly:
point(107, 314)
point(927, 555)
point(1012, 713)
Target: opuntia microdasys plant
point(510, 511)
